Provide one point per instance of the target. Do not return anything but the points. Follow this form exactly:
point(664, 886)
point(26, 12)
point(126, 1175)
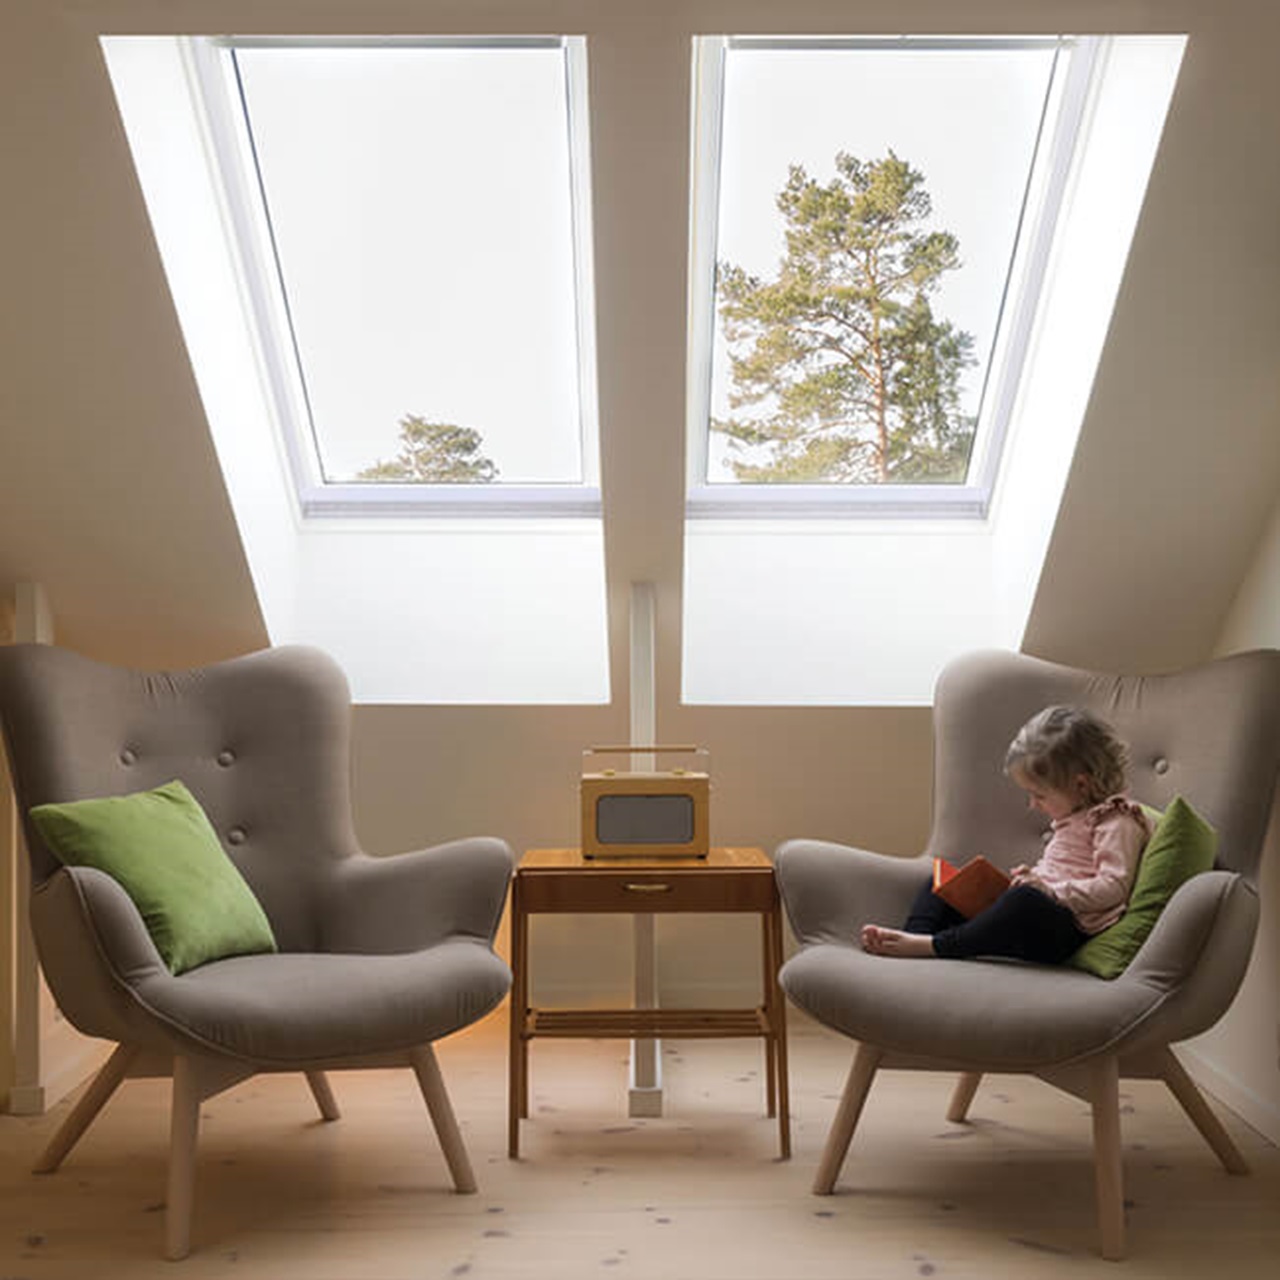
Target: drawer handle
point(647, 888)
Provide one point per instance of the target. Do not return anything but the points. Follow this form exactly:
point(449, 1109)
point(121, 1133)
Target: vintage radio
point(643, 811)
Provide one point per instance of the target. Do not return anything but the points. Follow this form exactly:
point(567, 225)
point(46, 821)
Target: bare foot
point(880, 941)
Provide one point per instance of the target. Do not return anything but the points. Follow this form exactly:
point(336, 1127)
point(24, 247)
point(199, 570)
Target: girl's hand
point(1033, 881)
point(1026, 876)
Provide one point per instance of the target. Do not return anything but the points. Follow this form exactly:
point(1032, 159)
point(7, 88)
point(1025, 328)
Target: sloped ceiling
point(1178, 465)
point(110, 491)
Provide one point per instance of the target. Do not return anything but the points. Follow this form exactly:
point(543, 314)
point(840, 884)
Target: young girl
point(1072, 768)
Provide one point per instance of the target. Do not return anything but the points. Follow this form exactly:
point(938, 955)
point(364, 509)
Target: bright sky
point(421, 208)
point(422, 214)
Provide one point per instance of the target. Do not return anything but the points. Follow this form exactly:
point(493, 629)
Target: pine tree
point(434, 453)
point(853, 377)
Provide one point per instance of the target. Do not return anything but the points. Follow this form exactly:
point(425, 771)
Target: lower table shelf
point(643, 1024)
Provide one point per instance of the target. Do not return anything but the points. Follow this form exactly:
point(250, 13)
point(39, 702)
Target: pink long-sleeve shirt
point(1091, 859)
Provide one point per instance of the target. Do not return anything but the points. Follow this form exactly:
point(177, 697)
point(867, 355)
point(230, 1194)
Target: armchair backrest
point(262, 741)
point(1210, 734)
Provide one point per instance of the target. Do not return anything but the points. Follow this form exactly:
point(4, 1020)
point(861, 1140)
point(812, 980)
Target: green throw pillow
point(1182, 845)
point(163, 850)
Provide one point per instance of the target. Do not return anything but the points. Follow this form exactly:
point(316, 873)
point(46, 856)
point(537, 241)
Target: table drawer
point(646, 891)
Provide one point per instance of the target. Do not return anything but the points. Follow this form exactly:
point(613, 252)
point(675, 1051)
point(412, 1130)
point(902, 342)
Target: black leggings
point(1022, 923)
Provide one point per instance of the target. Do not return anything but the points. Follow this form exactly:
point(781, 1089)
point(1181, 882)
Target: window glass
point(421, 215)
point(869, 200)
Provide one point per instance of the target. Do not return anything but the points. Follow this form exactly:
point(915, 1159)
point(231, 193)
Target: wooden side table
point(728, 879)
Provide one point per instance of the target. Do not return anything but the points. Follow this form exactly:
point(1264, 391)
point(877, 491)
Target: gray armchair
point(378, 957)
point(1211, 734)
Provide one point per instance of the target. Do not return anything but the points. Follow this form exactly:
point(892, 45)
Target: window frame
point(1058, 134)
point(216, 92)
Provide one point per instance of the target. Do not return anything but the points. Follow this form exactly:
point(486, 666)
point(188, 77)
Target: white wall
point(1239, 1060)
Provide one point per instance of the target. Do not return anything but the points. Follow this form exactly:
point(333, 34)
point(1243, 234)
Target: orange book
point(971, 888)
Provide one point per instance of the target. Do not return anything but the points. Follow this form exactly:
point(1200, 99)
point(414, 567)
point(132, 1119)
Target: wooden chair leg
point(1201, 1115)
point(323, 1095)
point(1105, 1096)
point(184, 1126)
point(431, 1082)
point(861, 1074)
point(83, 1114)
point(962, 1096)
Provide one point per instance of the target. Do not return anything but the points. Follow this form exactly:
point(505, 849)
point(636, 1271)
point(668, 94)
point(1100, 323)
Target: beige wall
point(859, 775)
point(8, 940)
point(1240, 1058)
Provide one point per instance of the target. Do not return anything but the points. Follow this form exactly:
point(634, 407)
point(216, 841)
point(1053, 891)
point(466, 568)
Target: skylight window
point(871, 219)
point(412, 223)
point(789, 610)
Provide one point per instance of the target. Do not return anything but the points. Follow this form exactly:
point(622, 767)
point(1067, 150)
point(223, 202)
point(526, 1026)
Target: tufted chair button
point(235, 835)
point(226, 757)
point(1161, 765)
point(128, 756)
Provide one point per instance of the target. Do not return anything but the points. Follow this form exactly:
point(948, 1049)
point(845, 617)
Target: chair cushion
point(1182, 845)
point(1003, 1014)
point(296, 1008)
point(163, 850)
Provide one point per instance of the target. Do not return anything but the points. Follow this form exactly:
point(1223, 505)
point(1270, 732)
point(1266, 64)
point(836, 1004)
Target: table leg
point(518, 1063)
point(766, 988)
point(778, 1022)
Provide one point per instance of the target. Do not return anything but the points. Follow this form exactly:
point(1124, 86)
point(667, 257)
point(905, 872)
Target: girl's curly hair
point(1060, 744)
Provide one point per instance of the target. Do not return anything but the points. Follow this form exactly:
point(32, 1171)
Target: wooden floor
point(699, 1193)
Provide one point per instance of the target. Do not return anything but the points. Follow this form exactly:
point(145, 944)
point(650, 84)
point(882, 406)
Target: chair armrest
point(831, 890)
point(94, 948)
point(1201, 940)
point(408, 901)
